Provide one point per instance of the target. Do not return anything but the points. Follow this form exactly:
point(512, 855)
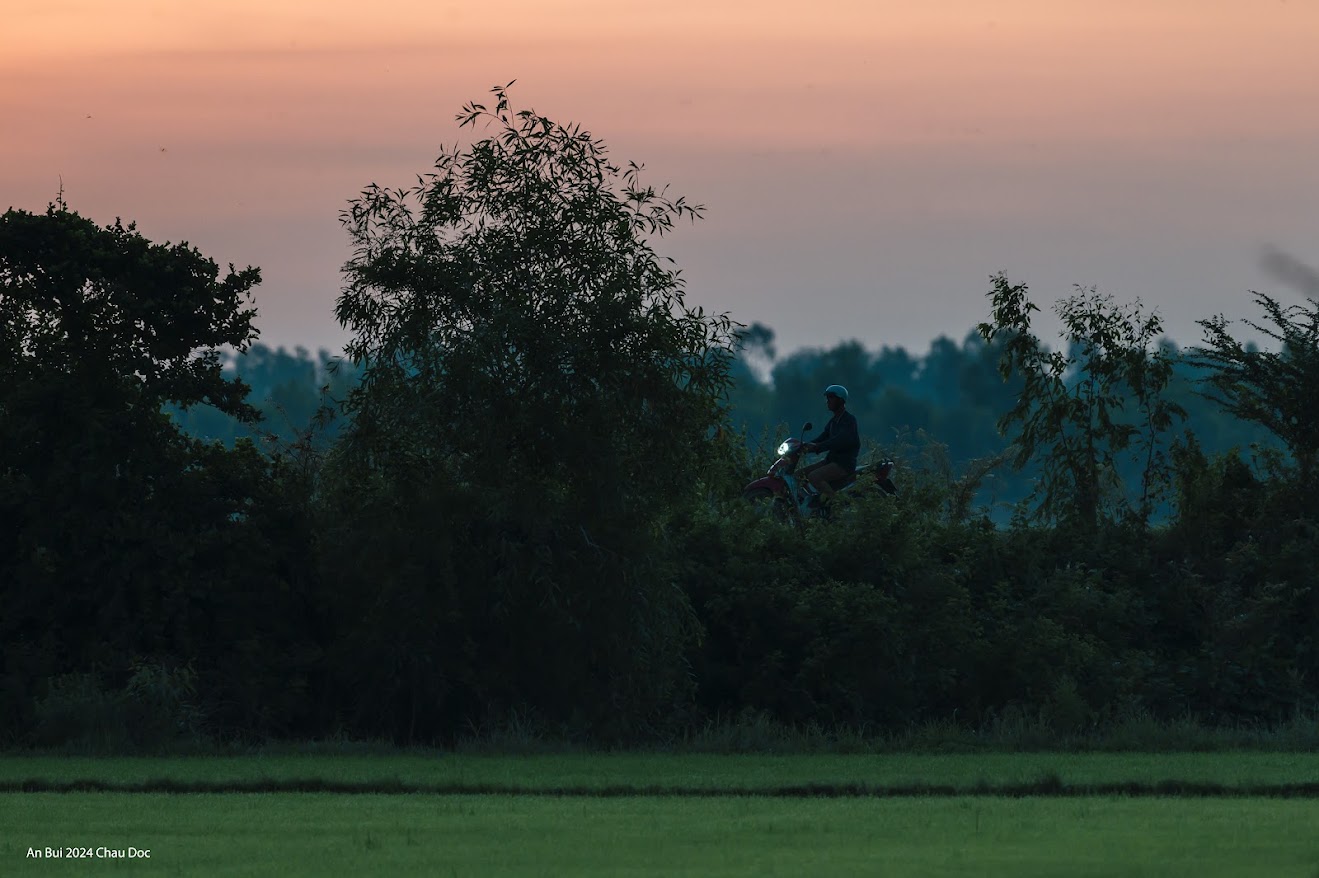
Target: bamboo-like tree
point(527, 356)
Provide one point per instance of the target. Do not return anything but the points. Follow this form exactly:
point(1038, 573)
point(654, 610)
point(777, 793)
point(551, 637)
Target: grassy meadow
point(1238, 773)
point(433, 813)
point(541, 835)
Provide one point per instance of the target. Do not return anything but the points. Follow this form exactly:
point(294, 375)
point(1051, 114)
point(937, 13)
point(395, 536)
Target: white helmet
point(837, 390)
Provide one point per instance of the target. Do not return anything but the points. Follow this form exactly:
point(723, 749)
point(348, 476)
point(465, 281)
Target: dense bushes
point(127, 543)
point(296, 620)
point(889, 616)
point(895, 615)
point(530, 515)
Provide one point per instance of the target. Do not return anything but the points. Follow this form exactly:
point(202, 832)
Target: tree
point(1275, 389)
point(1072, 411)
point(535, 403)
point(106, 305)
point(121, 534)
point(800, 379)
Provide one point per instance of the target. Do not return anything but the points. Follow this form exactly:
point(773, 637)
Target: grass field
point(660, 772)
point(587, 832)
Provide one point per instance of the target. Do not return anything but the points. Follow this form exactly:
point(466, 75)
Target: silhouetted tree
point(122, 535)
point(535, 403)
point(1072, 412)
point(1275, 389)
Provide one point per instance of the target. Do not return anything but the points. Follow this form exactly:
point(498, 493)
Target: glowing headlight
point(785, 447)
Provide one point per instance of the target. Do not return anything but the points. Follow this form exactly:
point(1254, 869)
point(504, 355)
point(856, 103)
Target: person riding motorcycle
point(840, 439)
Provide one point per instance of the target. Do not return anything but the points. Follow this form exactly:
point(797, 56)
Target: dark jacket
point(841, 440)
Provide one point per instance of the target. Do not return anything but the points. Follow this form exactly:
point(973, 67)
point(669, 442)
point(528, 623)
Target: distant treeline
point(297, 394)
point(951, 396)
point(526, 509)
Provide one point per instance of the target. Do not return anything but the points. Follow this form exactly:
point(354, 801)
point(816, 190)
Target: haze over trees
point(515, 501)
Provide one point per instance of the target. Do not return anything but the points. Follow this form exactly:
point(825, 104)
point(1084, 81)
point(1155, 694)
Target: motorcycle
point(788, 495)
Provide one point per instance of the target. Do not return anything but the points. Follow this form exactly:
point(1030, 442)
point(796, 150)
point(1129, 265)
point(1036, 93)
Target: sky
point(865, 165)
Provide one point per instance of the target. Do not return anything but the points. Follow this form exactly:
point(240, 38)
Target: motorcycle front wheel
point(766, 502)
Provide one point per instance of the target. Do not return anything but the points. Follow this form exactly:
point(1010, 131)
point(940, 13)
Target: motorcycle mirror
point(807, 426)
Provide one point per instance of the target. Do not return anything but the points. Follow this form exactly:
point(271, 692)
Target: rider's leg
point(822, 474)
point(806, 472)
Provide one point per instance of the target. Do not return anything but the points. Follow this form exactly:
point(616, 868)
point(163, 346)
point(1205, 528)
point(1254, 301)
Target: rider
point(840, 439)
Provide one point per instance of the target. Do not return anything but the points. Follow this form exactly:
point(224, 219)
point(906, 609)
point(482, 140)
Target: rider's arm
point(843, 436)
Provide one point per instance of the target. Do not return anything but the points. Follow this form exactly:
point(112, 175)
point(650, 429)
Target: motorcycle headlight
point(785, 447)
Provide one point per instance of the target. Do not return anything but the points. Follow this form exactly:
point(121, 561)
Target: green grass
point(655, 772)
point(601, 828)
point(319, 834)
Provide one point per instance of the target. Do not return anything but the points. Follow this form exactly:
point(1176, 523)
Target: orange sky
point(884, 157)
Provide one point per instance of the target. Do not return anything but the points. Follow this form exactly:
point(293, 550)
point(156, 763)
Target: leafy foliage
point(1071, 406)
point(107, 305)
point(530, 521)
point(535, 400)
point(1275, 389)
point(124, 539)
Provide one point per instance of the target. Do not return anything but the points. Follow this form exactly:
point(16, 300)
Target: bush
point(155, 709)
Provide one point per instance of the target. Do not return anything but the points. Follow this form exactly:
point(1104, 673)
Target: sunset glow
point(889, 151)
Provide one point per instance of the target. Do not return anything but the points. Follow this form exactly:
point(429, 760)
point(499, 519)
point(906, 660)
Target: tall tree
point(117, 525)
point(527, 358)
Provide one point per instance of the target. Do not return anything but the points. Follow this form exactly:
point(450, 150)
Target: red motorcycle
point(787, 495)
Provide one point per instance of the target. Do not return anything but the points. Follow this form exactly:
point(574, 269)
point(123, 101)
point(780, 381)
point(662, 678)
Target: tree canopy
point(123, 536)
point(536, 387)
